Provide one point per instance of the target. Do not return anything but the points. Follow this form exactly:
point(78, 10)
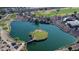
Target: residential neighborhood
point(39, 29)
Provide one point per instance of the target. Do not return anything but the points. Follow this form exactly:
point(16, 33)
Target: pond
point(56, 37)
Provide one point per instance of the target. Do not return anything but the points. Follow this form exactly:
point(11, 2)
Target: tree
point(75, 15)
point(48, 18)
point(2, 12)
point(57, 11)
point(0, 17)
point(17, 38)
point(37, 22)
point(75, 12)
point(70, 48)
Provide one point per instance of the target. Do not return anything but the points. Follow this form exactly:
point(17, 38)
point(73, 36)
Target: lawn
point(39, 35)
point(4, 23)
point(63, 11)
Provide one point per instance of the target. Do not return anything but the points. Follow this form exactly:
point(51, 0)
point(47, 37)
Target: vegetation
point(70, 48)
point(37, 22)
point(6, 21)
point(39, 35)
point(17, 39)
point(60, 12)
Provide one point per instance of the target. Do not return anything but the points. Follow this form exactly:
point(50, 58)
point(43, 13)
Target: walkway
point(6, 38)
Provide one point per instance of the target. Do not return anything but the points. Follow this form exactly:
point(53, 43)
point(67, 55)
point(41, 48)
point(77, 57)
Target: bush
point(70, 48)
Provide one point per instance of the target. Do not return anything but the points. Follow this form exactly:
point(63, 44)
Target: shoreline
point(65, 32)
point(5, 37)
point(58, 25)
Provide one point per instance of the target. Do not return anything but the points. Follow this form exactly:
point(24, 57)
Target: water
point(56, 37)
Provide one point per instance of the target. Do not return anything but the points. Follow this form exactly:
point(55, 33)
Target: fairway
point(62, 12)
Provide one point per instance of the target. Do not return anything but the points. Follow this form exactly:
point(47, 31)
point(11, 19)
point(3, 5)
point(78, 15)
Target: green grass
point(4, 23)
point(39, 34)
point(63, 11)
point(17, 39)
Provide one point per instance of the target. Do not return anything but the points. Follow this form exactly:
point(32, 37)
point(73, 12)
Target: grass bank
point(61, 12)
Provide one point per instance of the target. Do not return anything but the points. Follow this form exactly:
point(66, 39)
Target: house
point(71, 22)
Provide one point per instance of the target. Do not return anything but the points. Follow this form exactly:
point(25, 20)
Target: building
point(71, 22)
